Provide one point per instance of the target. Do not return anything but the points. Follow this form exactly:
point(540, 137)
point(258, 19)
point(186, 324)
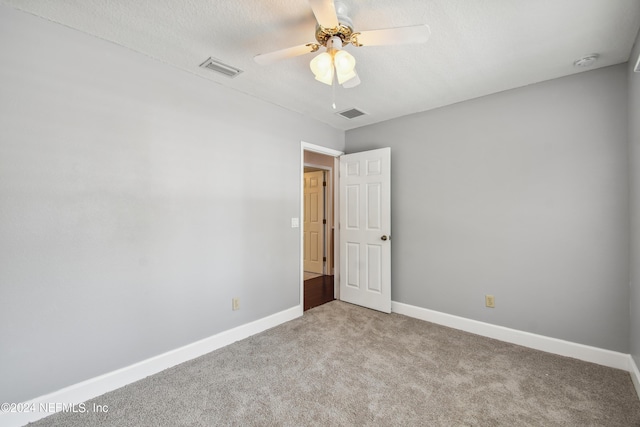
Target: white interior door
point(313, 224)
point(365, 229)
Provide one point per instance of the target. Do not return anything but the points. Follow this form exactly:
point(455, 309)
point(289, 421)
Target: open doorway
point(318, 233)
point(361, 237)
point(318, 229)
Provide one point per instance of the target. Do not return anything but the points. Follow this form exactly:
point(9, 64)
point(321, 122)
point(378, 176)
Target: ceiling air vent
point(351, 113)
point(222, 68)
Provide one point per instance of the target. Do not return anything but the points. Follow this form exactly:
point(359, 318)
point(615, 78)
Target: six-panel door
point(365, 229)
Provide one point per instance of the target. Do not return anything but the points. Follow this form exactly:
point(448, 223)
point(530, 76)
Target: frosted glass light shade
point(345, 66)
point(322, 67)
point(353, 82)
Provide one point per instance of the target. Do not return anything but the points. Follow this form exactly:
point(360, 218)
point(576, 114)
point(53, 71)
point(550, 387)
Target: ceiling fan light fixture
point(353, 82)
point(345, 65)
point(345, 77)
point(326, 78)
point(334, 29)
point(322, 68)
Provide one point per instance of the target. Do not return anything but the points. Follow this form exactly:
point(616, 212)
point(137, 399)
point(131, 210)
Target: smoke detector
point(586, 61)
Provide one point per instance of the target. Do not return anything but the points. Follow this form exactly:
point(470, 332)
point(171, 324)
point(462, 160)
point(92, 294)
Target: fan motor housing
point(343, 31)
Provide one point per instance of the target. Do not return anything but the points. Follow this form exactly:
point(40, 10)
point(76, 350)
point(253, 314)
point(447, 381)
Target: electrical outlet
point(235, 304)
point(490, 301)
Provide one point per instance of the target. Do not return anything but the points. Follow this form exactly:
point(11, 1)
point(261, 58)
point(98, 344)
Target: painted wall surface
point(634, 158)
point(522, 195)
point(136, 200)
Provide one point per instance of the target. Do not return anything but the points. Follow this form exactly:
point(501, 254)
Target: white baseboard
point(587, 353)
point(635, 374)
point(44, 406)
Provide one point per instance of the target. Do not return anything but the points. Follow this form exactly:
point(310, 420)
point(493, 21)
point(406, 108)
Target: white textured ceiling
point(477, 47)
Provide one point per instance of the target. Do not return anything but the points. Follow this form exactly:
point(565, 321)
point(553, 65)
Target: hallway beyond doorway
point(318, 291)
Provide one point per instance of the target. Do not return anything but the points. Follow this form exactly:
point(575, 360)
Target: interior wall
point(317, 159)
point(634, 158)
point(136, 200)
point(522, 195)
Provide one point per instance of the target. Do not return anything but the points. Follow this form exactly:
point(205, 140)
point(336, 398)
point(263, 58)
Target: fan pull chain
point(333, 93)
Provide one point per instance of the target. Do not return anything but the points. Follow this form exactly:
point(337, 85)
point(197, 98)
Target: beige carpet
point(343, 365)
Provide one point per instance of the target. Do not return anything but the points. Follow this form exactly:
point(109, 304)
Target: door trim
point(306, 146)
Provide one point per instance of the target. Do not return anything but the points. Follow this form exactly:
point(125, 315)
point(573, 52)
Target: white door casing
point(365, 229)
point(313, 227)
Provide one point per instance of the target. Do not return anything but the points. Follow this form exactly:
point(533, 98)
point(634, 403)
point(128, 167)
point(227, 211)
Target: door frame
point(306, 146)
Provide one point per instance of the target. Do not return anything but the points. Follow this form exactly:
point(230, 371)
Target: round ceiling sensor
point(586, 61)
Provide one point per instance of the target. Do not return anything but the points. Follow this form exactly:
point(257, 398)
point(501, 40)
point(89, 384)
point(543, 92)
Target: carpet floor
point(343, 365)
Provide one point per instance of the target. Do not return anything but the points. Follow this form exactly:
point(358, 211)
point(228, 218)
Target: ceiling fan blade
point(290, 52)
point(325, 13)
point(398, 35)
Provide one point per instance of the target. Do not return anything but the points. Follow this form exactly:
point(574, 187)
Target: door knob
point(384, 238)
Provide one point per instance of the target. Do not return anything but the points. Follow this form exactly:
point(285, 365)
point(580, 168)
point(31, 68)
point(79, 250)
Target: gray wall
point(523, 195)
point(135, 201)
point(634, 156)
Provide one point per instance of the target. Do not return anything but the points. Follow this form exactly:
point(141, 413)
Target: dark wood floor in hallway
point(318, 291)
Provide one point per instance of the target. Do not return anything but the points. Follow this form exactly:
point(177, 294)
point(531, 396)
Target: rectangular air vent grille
point(351, 113)
point(220, 67)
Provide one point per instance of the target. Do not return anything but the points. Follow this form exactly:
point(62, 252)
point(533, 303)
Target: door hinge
point(324, 183)
point(324, 259)
point(324, 221)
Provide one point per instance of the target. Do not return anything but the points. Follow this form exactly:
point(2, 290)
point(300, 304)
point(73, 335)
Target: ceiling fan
point(334, 30)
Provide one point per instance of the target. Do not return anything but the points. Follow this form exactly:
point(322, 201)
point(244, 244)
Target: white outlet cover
point(295, 222)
